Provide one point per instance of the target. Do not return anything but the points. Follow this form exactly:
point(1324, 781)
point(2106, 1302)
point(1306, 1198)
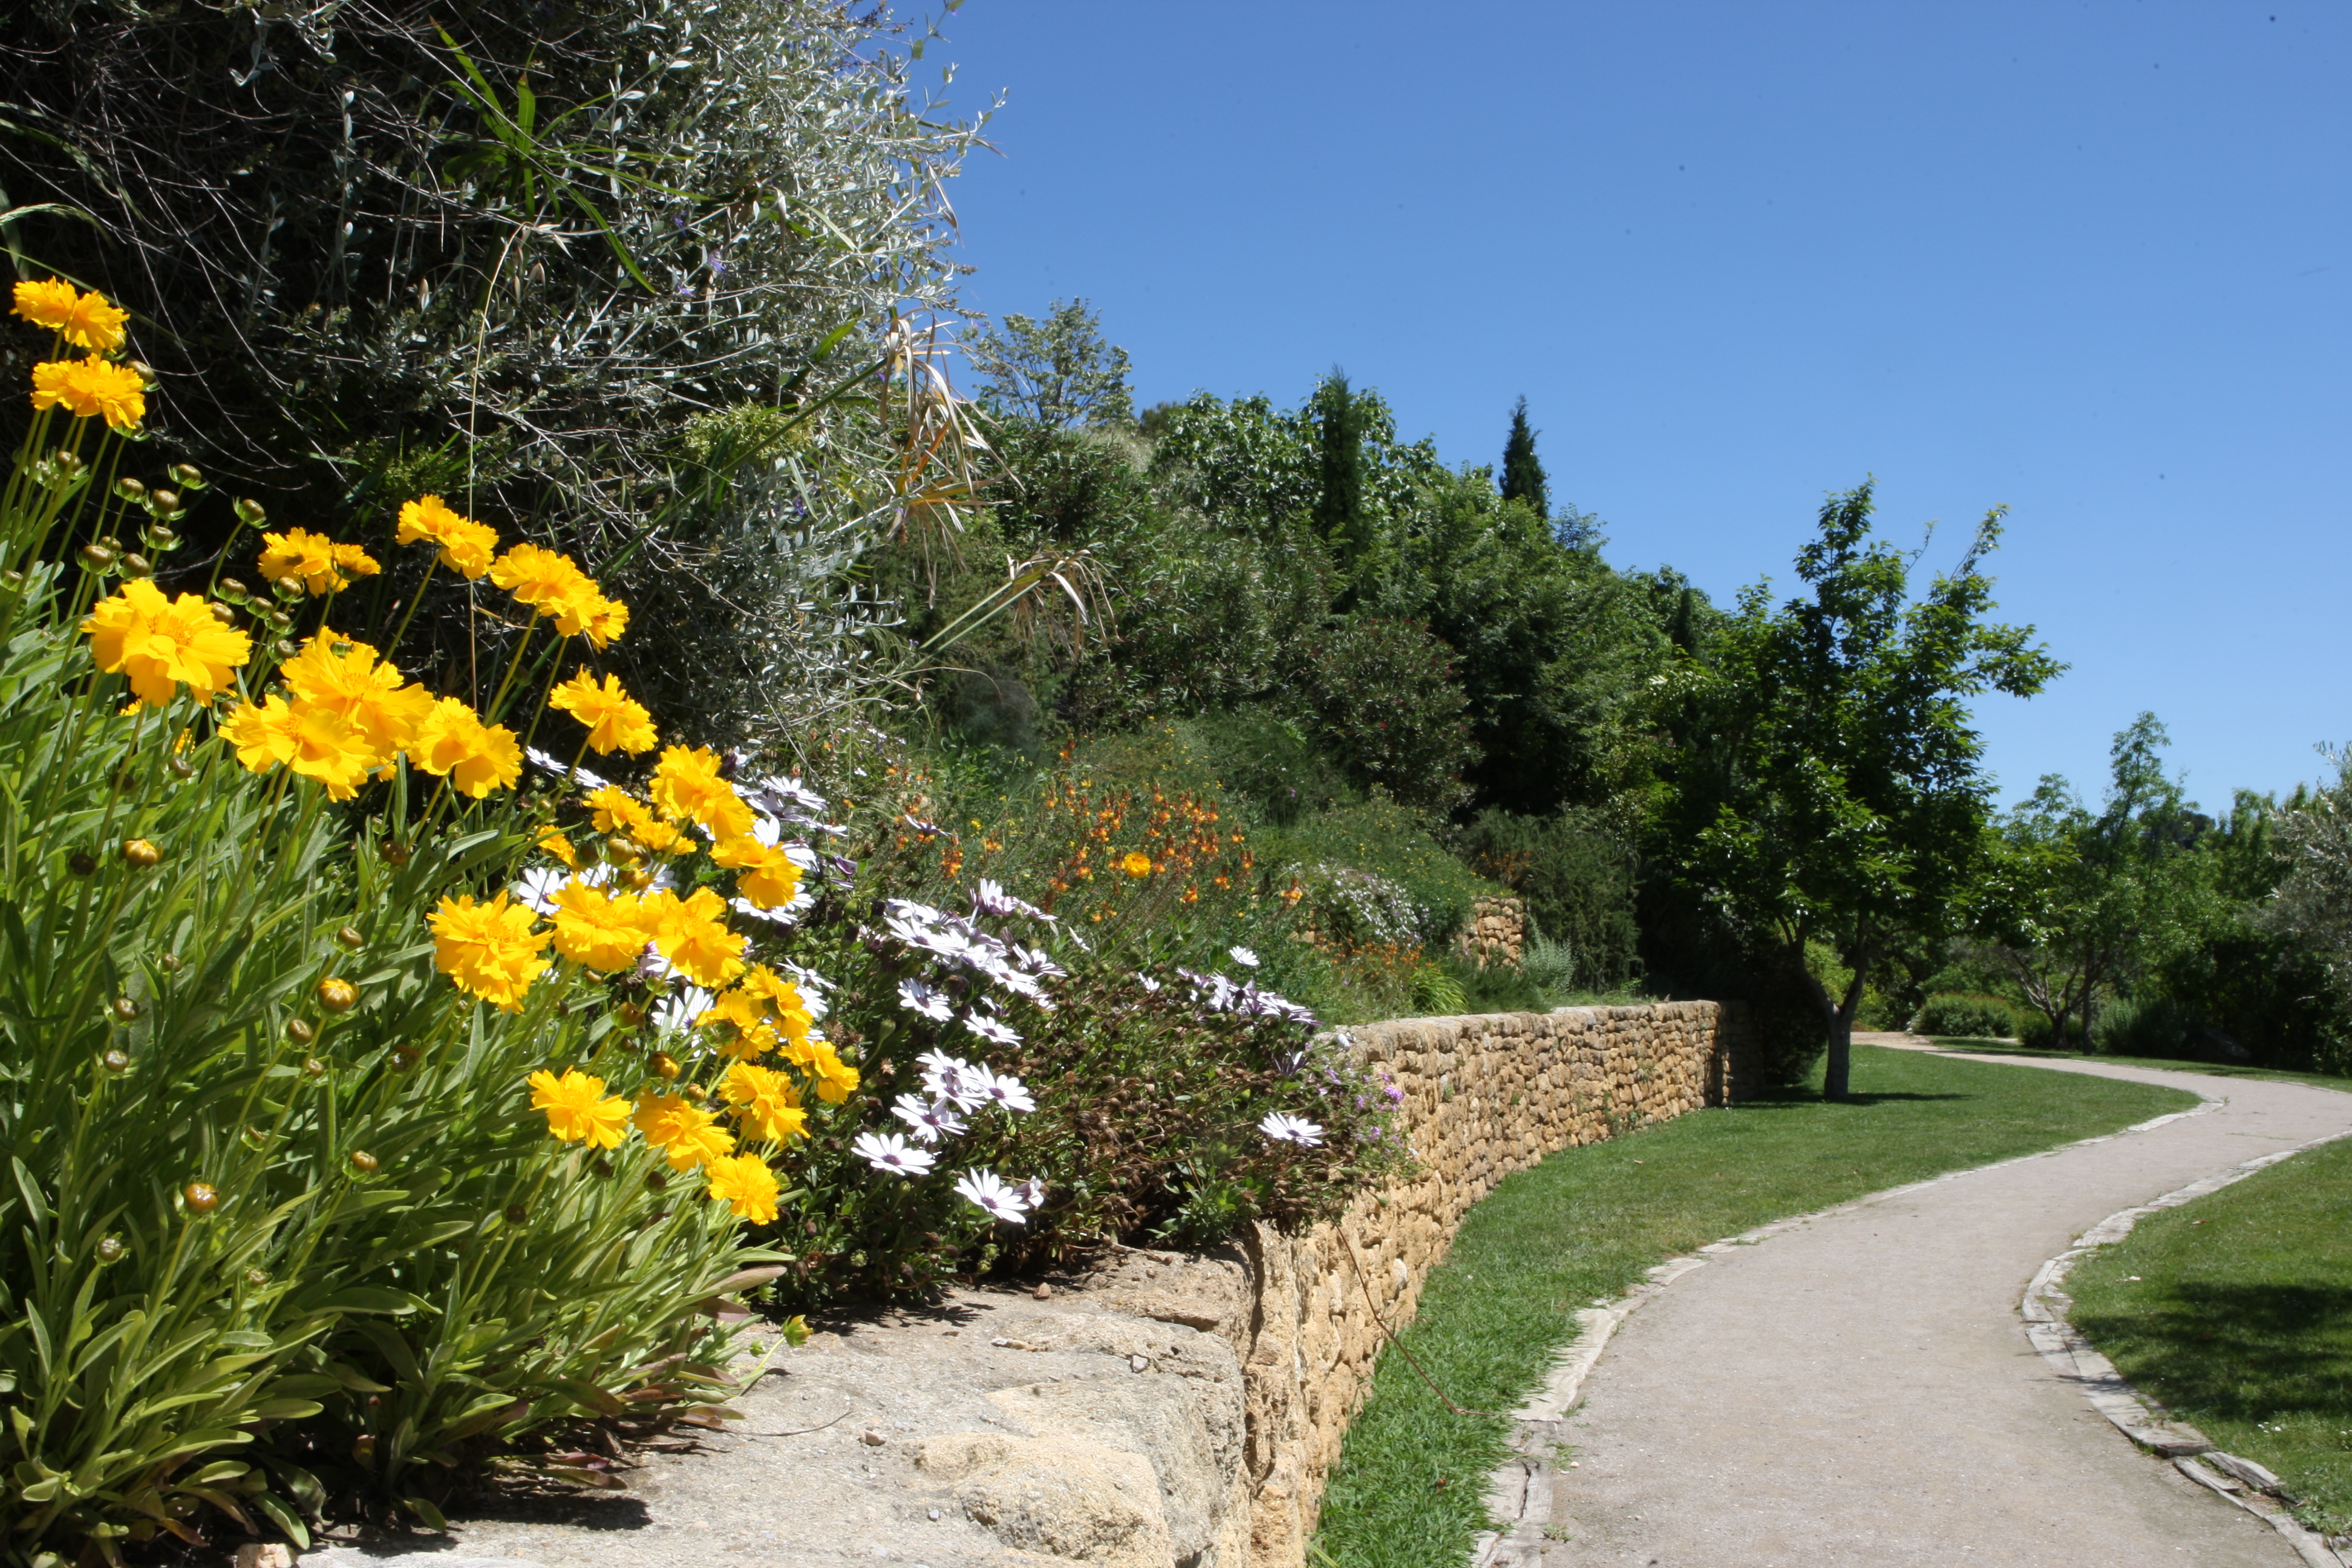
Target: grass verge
point(2219, 1069)
point(1409, 1490)
point(2235, 1312)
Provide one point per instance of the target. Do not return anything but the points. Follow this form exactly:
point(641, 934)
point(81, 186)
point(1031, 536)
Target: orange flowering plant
point(328, 1133)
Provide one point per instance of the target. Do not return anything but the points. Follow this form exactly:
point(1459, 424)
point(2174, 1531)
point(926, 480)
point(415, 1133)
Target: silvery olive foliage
point(2313, 901)
point(638, 278)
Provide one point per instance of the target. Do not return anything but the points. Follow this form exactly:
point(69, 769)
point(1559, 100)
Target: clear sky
point(2087, 260)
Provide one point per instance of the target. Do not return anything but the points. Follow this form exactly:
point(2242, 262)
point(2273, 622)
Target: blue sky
point(2087, 260)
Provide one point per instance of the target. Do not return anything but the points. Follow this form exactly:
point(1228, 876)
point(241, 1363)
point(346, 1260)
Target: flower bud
point(142, 852)
point(279, 621)
point(256, 1279)
point(160, 538)
point(395, 853)
point(81, 863)
point(337, 994)
point(405, 1057)
point(110, 1249)
point(125, 1010)
point(284, 648)
point(290, 589)
point(188, 476)
point(517, 1214)
point(632, 1015)
point(130, 489)
point(350, 938)
point(248, 511)
point(180, 768)
point(363, 1450)
point(115, 1061)
point(234, 592)
point(202, 1197)
point(665, 1064)
point(12, 580)
point(67, 462)
point(601, 1167)
point(142, 369)
point(363, 1161)
point(313, 1068)
point(656, 1179)
point(170, 964)
point(164, 501)
point(96, 558)
point(299, 1031)
point(138, 566)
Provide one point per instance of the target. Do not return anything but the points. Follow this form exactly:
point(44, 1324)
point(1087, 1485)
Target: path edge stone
point(2075, 1360)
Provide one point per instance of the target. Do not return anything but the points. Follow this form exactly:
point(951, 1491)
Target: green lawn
point(2235, 1312)
point(2220, 1069)
point(1409, 1489)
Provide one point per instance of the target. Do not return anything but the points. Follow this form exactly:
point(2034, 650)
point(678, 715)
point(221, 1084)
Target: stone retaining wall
point(1483, 1096)
point(1496, 932)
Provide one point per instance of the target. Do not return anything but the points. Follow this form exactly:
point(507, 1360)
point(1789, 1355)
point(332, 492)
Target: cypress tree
point(1340, 507)
point(1523, 475)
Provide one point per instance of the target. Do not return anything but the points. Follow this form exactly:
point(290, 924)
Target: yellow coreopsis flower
point(49, 302)
point(750, 1032)
point(602, 930)
point(770, 878)
point(837, 1080)
point(347, 677)
point(1135, 864)
point(316, 742)
point(555, 844)
point(617, 812)
point(692, 933)
point(546, 580)
point(578, 1110)
point(783, 1001)
point(687, 788)
point(605, 621)
point(489, 950)
point(84, 387)
point(318, 562)
point(477, 757)
point(162, 644)
point(614, 720)
point(767, 1102)
point(467, 546)
point(681, 1129)
point(745, 1185)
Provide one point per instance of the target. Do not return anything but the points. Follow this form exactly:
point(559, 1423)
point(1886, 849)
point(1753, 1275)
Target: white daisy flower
point(951, 1078)
point(539, 886)
point(989, 1192)
point(1004, 1088)
point(1146, 982)
point(930, 1121)
point(889, 1151)
point(1284, 1127)
point(680, 1009)
point(928, 1000)
point(1033, 1192)
point(993, 1029)
point(549, 763)
point(1244, 957)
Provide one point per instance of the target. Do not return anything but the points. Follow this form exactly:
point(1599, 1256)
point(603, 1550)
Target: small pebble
point(872, 1438)
point(1140, 1363)
point(935, 1513)
point(1044, 1292)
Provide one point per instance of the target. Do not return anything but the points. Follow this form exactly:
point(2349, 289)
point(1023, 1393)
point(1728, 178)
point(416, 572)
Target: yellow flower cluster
point(555, 587)
point(318, 562)
point(164, 644)
point(614, 720)
point(89, 386)
point(467, 546)
point(350, 714)
point(86, 320)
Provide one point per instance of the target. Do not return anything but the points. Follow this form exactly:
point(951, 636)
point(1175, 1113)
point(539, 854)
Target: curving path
point(1859, 1391)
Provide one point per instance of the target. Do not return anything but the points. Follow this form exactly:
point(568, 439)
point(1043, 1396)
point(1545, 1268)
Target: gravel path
point(1859, 1390)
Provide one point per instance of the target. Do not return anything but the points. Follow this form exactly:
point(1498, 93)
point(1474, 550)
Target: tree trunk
point(1835, 1074)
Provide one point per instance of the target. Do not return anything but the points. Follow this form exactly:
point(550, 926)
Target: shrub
point(1576, 877)
point(1964, 1016)
point(2151, 1026)
point(1381, 696)
point(2034, 1029)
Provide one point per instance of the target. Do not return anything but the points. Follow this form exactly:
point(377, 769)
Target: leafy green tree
point(2083, 903)
point(1841, 800)
point(1381, 694)
point(1523, 474)
point(1059, 371)
point(1341, 514)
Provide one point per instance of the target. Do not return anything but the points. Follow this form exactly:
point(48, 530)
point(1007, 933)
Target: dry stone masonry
point(1496, 932)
